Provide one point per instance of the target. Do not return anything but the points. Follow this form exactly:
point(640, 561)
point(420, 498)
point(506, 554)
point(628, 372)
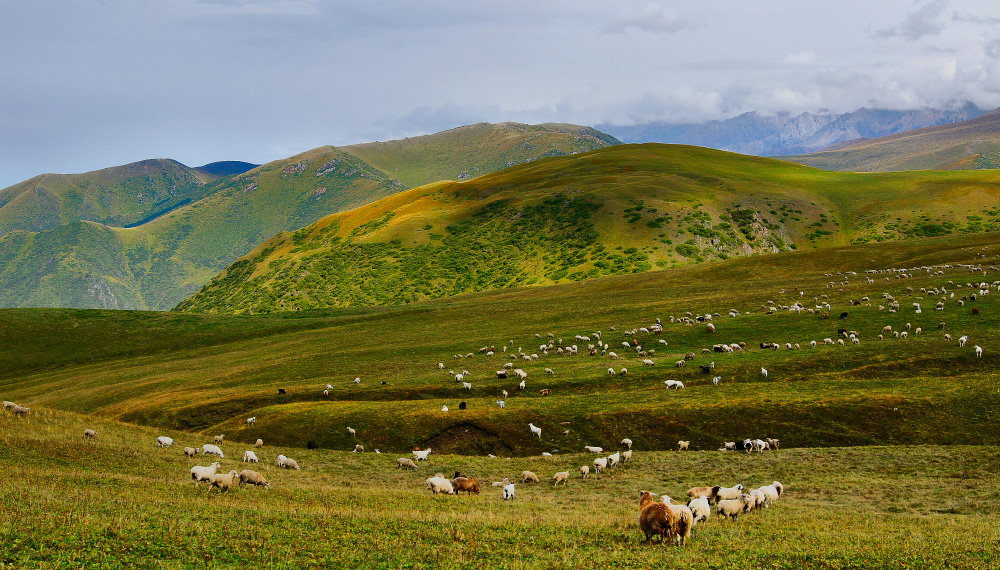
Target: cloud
point(654, 19)
point(992, 49)
point(802, 57)
point(918, 24)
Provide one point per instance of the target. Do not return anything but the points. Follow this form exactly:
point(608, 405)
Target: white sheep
point(405, 462)
point(508, 491)
point(521, 385)
point(715, 381)
point(675, 384)
point(614, 458)
point(248, 477)
point(584, 471)
point(351, 431)
point(223, 481)
point(600, 464)
point(251, 421)
point(763, 372)
point(529, 477)
point(287, 463)
point(732, 507)
point(422, 455)
point(728, 493)
point(979, 351)
point(358, 448)
point(209, 449)
point(549, 372)
point(593, 449)
point(535, 430)
point(191, 451)
point(250, 457)
point(700, 509)
point(199, 473)
point(962, 340)
point(467, 385)
point(611, 372)
point(444, 408)
point(626, 456)
point(501, 403)
point(648, 362)
point(560, 477)
point(685, 517)
point(259, 443)
point(218, 438)
point(626, 442)
point(164, 441)
point(624, 371)
point(89, 433)
point(8, 405)
point(20, 411)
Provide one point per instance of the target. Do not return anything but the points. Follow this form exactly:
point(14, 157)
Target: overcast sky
point(86, 84)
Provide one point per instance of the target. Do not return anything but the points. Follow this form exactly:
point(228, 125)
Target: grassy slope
point(174, 255)
point(119, 502)
point(972, 144)
point(613, 211)
point(889, 392)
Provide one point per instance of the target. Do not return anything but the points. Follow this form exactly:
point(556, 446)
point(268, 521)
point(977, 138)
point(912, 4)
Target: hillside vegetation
point(615, 211)
point(967, 145)
point(170, 239)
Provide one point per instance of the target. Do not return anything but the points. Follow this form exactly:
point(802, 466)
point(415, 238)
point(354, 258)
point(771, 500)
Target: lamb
point(250, 457)
point(91, 433)
point(732, 507)
point(545, 391)
point(163, 441)
point(584, 471)
point(626, 443)
point(224, 482)
point(536, 431)
point(199, 473)
point(351, 431)
point(700, 510)
point(258, 443)
point(600, 464)
point(529, 477)
point(627, 456)
point(763, 372)
point(561, 477)
point(251, 421)
point(505, 481)
point(683, 519)
point(655, 518)
point(683, 445)
point(191, 451)
point(728, 493)
point(979, 351)
point(501, 403)
point(287, 463)
point(248, 477)
point(211, 449)
point(218, 438)
point(614, 458)
point(438, 484)
point(962, 340)
point(405, 462)
point(422, 455)
point(508, 491)
point(467, 484)
point(593, 449)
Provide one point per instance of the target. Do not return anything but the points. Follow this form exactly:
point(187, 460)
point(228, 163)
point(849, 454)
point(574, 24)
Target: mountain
point(617, 210)
point(226, 168)
point(783, 134)
point(167, 229)
point(967, 145)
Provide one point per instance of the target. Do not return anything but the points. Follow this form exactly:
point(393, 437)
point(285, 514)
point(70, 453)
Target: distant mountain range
point(784, 134)
point(148, 234)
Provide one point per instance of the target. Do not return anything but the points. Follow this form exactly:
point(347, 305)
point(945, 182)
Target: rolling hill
point(966, 145)
point(618, 210)
point(154, 256)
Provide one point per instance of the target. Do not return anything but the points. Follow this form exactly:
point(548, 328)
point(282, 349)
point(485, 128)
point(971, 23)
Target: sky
point(87, 84)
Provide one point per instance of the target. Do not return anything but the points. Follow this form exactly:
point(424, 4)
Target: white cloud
point(653, 18)
point(925, 21)
point(803, 57)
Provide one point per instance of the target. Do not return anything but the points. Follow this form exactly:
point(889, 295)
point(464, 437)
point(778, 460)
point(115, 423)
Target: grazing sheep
point(561, 477)
point(979, 351)
point(708, 493)
point(8, 405)
point(627, 443)
point(623, 371)
point(732, 507)
point(223, 482)
point(535, 431)
point(683, 445)
point(508, 491)
point(728, 493)
point(626, 456)
point(162, 441)
point(501, 374)
point(89, 433)
point(584, 471)
point(199, 473)
point(770, 494)
point(614, 458)
point(700, 510)
point(529, 477)
point(962, 340)
point(20, 411)
point(675, 384)
point(521, 385)
point(438, 484)
point(549, 371)
point(467, 484)
point(501, 403)
point(683, 520)
point(258, 443)
point(600, 464)
point(422, 455)
point(191, 451)
point(287, 463)
point(248, 477)
point(250, 457)
point(648, 362)
point(405, 462)
point(208, 449)
point(680, 363)
point(218, 438)
point(655, 518)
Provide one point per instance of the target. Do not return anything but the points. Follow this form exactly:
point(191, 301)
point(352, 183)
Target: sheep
point(251, 421)
point(549, 371)
point(614, 458)
point(683, 520)
point(763, 372)
point(715, 381)
point(20, 411)
point(728, 493)
point(773, 443)
point(584, 471)
point(593, 449)
point(655, 518)
point(612, 355)
point(218, 438)
point(755, 501)
point(199, 473)
point(444, 408)
point(467, 385)
point(626, 456)
point(223, 482)
point(560, 477)
point(778, 486)
point(8, 405)
point(501, 403)
point(438, 484)
point(501, 374)
point(962, 340)
point(358, 448)
point(89, 433)
point(770, 494)
point(162, 441)
point(405, 462)
point(248, 477)
point(535, 430)
point(521, 386)
point(680, 363)
point(287, 463)
point(422, 455)
point(708, 493)
point(211, 449)
point(529, 477)
point(627, 443)
point(732, 507)
point(648, 362)
point(191, 451)
point(676, 384)
point(545, 392)
point(467, 484)
point(700, 510)
point(979, 351)
point(249, 457)
point(611, 372)
point(623, 371)
point(600, 464)
point(683, 445)
point(351, 431)
point(258, 443)
point(508, 491)
point(504, 392)
point(947, 337)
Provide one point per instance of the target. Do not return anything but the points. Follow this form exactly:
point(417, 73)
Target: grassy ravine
point(119, 502)
point(618, 210)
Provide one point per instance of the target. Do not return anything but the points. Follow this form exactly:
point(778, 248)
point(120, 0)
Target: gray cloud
point(925, 21)
point(652, 18)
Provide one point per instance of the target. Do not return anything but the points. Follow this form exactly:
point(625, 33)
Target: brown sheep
point(259, 443)
point(218, 439)
point(467, 484)
point(545, 391)
point(655, 518)
point(772, 443)
point(707, 492)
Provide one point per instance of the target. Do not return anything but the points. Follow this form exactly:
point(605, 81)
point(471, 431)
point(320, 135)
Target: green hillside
point(185, 242)
point(966, 145)
point(614, 211)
